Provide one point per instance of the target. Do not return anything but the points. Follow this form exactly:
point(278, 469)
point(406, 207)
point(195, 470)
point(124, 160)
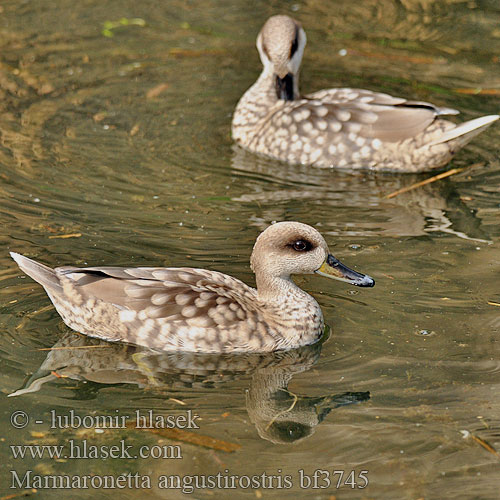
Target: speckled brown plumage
point(198, 310)
point(343, 127)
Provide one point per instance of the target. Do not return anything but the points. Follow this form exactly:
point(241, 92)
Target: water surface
point(123, 143)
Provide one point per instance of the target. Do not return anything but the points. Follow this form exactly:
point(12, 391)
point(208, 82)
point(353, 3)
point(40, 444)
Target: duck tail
point(44, 275)
point(465, 131)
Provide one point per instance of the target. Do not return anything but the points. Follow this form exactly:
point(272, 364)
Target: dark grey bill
point(284, 87)
point(333, 268)
point(350, 275)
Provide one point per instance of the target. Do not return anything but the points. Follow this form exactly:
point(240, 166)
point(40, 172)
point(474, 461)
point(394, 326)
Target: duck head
point(281, 44)
point(287, 248)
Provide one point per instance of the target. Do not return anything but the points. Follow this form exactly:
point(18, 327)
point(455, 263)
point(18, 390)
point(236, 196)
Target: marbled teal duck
point(341, 127)
point(198, 310)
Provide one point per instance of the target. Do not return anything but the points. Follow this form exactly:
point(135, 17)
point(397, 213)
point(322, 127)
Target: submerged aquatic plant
point(109, 26)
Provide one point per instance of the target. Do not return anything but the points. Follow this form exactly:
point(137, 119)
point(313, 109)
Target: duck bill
point(333, 268)
point(284, 87)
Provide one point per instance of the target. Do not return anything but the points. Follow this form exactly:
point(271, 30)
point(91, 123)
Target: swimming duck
point(198, 310)
point(341, 127)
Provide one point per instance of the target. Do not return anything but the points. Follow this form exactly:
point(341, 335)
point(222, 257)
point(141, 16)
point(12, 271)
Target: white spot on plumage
point(335, 126)
point(302, 115)
point(229, 315)
point(199, 321)
point(315, 155)
point(369, 117)
point(354, 127)
point(365, 151)
point(182, 299)
point(189, 311)
point(343, 115)
point(159, 299)
point(307, 127)
point(218, 318)
point(321, 111)
point(322, 124)
point(127, 315)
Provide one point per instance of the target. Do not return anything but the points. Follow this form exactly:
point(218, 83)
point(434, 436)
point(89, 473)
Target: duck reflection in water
point(437, 207)
point(278, 415)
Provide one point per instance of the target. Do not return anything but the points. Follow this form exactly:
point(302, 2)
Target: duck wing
point(192, 297)
point(367, 114)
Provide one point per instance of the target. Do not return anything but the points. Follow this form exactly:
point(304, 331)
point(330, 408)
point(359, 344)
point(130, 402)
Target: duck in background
point(340, 127)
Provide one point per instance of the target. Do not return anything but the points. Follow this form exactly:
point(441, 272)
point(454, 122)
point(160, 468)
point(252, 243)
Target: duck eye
point(301, 246)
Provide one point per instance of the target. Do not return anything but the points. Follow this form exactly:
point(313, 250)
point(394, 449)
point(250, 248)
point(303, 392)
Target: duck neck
point(279, 289)
point(290, 313)
point(256, 102)
point(255, 105)
point(265, 86)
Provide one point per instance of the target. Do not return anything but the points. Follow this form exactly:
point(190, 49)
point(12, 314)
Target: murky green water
point(124, 143)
